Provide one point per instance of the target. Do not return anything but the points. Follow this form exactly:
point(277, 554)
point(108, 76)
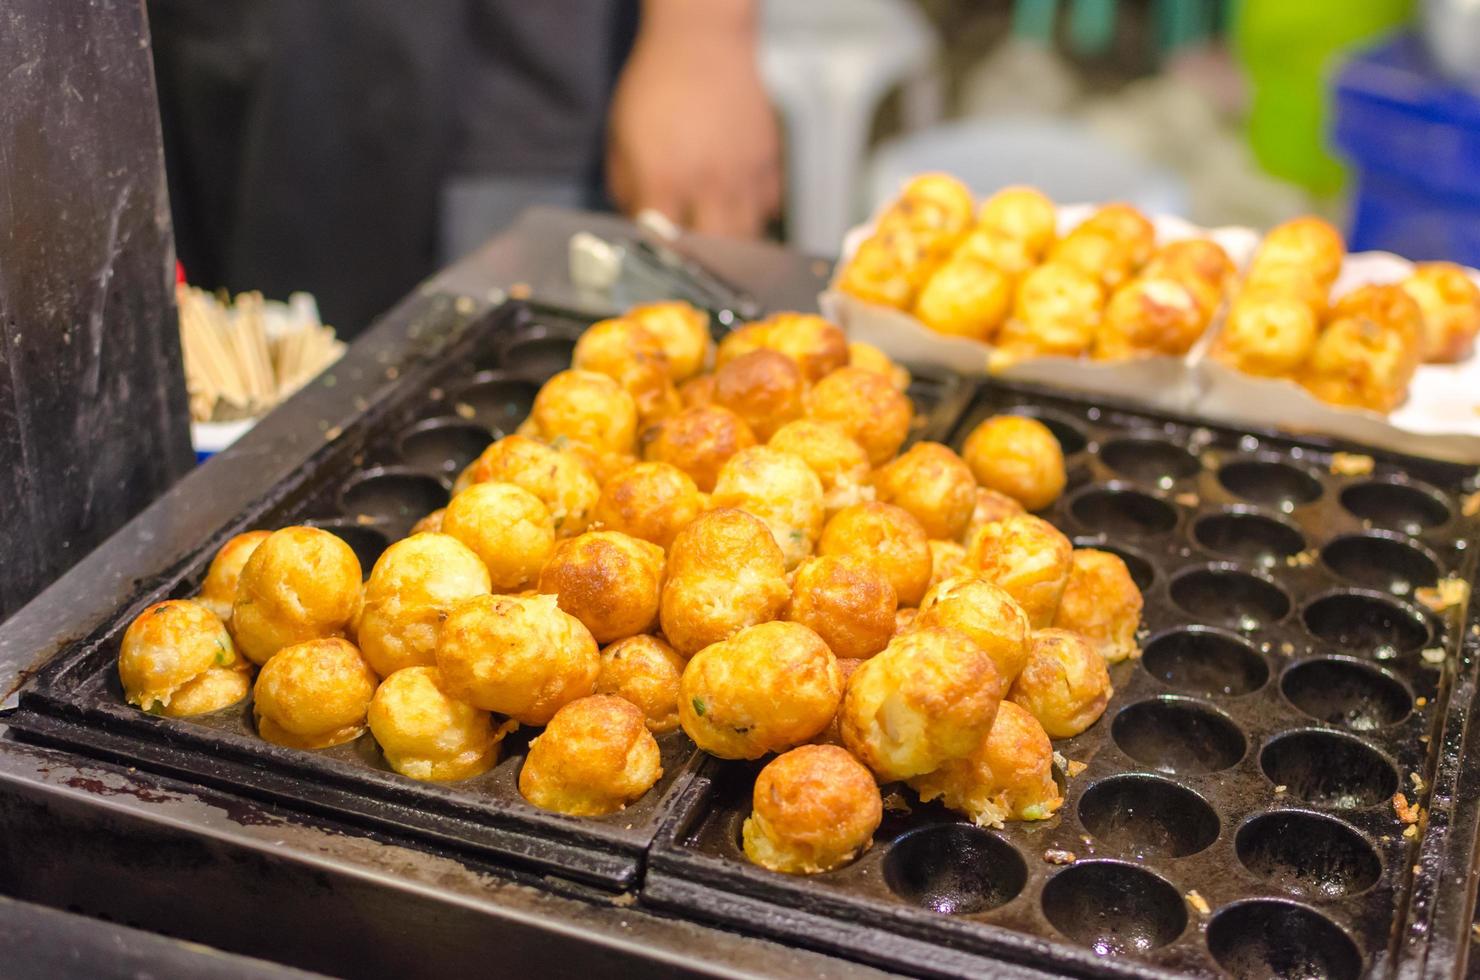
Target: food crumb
point(1421, 701)
point(1410, 831)
point(896, 803)
point(464, 305)
point(520, 290)
point(1417, 781)
point(1433, 655)
point(364, 519)
point(625, 900)
point(1075, 767)
point(1470, 506)
point(1448, 593)
point(333, 433)
point(1057, 855)
point(1476, 930)
point(1302, 559)
point(1198, 902)
point(1424, 739)
point(1278, 790)
point(1186, 499)
point(1407, 812)
point(464, 410)
point(1351, 464)
point(1287, 648)
point(392, 373)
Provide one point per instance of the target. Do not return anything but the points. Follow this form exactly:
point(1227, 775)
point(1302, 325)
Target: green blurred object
point(1289, 50)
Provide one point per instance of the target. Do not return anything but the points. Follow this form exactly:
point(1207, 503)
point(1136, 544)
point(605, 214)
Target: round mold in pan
point(1368, 623)
point(1149, 457)
point(1221, 594)
point(1397, 505)
point(954, 869)
point(1123, 512)
point(442, 446)
point(1266, 937)
point(1147, 817)
point(1178, 735)
point(1382, 560)
point(1271, 480)
point(1307, 854)
point(1244, 534)
point(496, 400)
point(391, 498)
point(368, 543)
point(537, 351)
point(1328, 769)
point(1205, 661)
point(1114, 908)
point(1347, 692)
point(1142, 569)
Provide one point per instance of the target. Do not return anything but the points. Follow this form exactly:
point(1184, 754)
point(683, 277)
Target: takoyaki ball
point(608, 580)
point(833, 733)
point(813, 809)
point(1359, 363)
point(523, 657)
point(1009, 776)
point(965, 297)
point(683, 332)
point(645, 671)
point(1022, 213)
point(1097, 254)
point(1151, 316)
point(767, 688)
point(651, 501)
point(562, 482)
point(433, 522)
point(725, 572)
point(929, 697)
point(817, 346)
point(586, 407)
point(1305, 242)
point(764, 387)
point(867, 407)
point(1057, 310)
point(991, 505)
point(425, 733)
point(945, 561)
point(932, 483)
point(778, 488)
point(698, 441)
point(846, 601)
point(1029, 558)
point(314, 694)
point(880, 272)
point(1013, 257)
point(594, 758)
point(1266, 333)
point(1102, 603)
point(698, 390)
point(412, 588)
point(1200, 259)
point(507, 527)
point(1388, 305)
point(986, 613)
point(934, 202)
point(169, 645)
point(300, 583)
point(1129, 227)
point(870, 358)
point(839, 462)
point(1065, 683)
point(218, 591)
point(1295, 281)
point(217, 688)
point(1450, 303)
point(1019, 457)
point(889, 538)
point(625, 351)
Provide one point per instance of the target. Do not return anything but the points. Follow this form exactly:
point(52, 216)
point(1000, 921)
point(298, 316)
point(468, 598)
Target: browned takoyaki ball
point(507, 527)
point(882, 270)
point(1128, 226)
point(562, 482)
point(1022, 213)
point(433, 521)
point(608, 580)
point(946, 559)
point(1013, 257)
point(839, 462)
point(764, 388)
point(594, 758)
point(1361, 363)
point(818, 346)
point(1450, 303)
point(935, 200)
point(1102, 603)
point(586, 407)
point(218, 591)
point(725, 572)
point(867, 407)
point(1096, 253)
point(932, 483)
point(301, 583)
point(965, 297)
point(1267, 333)
point(521, 657)
point(1306, 242)
point(1065, 683)
point(426, 734)
point(628, 353)
point(1017, 456)
point(166, 655)
point(887, 537)
point(651, 501)
point(645, 671)
point(990, 506)
point(846, 601)
point(682, 330)
point(1199, 259)
point(1388, 305)
point(767, 688)
point(1151, 316)
point(930, 696)
point(1008, 777)
point(698, 441)
point(1056, 313)
point(870, 358)
point(314, 694)
point(1029, 558)
point(1295, 281)
point(698, 390)
point(413, 586)
point(987, 614)
point(814, 809)
point(778, 488)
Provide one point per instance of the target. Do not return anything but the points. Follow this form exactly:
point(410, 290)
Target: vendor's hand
point(691, 132)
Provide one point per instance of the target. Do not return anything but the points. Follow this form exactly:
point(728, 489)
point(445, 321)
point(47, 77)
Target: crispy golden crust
point(313, 695)
point(698, 441)
point(932, 483)
point(1151, 316)
point(1267, 333)
point(870, 358)
point(818, 346)
point(887, 537)
point(1065, 683)
point(1360, 363)
point(507, 527)
point(833, 733)
point(778, 488)
point(987, 614)
point(427, 734)
point(1096, 253)
point(904, 619)
point(217, 688)
point(645, 671)
point(299, 584)
point(1056, 313)
point(608, 580)
point(965, 297)
point(946, 558)
point(698, 390)
point(883, 270)
point(1308, 243)
point(725, 572)
point(1019, 457)
point(1101, 603)
point(765, 689)
point(413, 586)
point(1201, 259)
point(1022, 213)
point(764, 388)
point(683, 331)
point(1127, 226)
point(990, 506)
point(867, 407)
point(1295, 281)
point(935, 201)
point(1389, 305)
point(562, 482)
point(846, 601)
point(1012, 257)
point(586, 407)
point(839, 462)
point(814, 809)
point(521, 657)
point(218, 591)
point(651, 501)
point(631, 355)
point(1450, 305)
point(167, 647)
point(1009, 776)
point(1028, 558)
point(433, 521)
point(594, 758)
point(929, 697)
